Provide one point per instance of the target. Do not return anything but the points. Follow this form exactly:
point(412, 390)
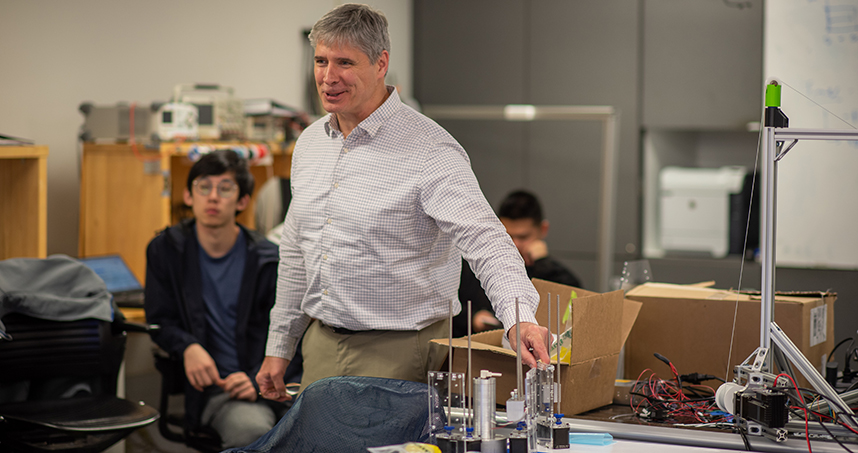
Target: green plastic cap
point(773, 95)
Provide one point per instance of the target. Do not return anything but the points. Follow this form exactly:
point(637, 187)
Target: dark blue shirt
point(221, 286)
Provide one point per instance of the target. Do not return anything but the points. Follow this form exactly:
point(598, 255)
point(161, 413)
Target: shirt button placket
point(330, 221)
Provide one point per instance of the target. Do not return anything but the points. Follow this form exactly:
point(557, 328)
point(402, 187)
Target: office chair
point(350, 413)
point(172, 424)
point(58, 386)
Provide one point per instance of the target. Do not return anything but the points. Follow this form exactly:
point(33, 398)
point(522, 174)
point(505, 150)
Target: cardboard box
point(600, 324)
point(692, 325)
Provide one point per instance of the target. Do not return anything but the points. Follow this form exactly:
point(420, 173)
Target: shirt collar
point(374, 121)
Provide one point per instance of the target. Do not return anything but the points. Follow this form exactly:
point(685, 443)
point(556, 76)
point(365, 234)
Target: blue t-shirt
point(221, 286)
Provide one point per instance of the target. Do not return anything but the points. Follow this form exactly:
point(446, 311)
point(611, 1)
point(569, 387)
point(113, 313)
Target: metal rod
point(519, 383)
point(450, 367)
point(549, 328)
point(469, 398)
point(559, 342)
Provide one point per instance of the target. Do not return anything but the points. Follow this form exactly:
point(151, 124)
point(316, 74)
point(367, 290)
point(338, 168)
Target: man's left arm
point(451, 195)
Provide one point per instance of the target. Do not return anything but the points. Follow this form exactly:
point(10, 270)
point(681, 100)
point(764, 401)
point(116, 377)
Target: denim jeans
point(348, 414)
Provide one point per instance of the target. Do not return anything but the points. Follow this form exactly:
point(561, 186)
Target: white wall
point(56, 54)
point(812, 48)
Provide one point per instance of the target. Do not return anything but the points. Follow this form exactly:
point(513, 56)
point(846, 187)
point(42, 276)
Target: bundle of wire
point(669, 401)
point(801, 401)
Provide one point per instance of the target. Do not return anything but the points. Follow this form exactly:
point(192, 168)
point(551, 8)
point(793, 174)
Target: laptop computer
point(120, 281)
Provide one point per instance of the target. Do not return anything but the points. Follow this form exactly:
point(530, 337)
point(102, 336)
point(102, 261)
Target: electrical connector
point(696, 378)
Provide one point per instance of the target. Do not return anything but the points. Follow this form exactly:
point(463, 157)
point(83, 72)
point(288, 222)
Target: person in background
point(521, 214)
point(210, 285)
point(384, 207)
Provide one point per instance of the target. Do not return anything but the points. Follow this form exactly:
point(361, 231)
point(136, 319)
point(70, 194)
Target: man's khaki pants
point(406, 355)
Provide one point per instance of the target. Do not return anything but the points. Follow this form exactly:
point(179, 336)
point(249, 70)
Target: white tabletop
point(629, 446)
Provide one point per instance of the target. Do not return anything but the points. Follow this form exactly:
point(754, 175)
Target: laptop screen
point(115, 273)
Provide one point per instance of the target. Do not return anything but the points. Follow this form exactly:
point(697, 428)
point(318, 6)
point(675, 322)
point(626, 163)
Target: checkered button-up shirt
point(377, 226)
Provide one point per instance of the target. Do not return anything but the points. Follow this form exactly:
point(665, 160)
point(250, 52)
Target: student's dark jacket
point(174, 300)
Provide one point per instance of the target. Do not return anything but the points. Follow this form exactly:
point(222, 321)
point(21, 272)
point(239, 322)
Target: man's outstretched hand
point(534, 343)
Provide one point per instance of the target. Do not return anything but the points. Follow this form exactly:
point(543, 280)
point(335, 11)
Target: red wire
point(804, 408)
point(848, 427)
point(669, 394)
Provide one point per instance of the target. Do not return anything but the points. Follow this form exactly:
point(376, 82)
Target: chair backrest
point(41, 349)
point(58, 386)
point(348, 414)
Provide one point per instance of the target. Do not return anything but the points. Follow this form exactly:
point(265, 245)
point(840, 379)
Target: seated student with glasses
point(210, 284)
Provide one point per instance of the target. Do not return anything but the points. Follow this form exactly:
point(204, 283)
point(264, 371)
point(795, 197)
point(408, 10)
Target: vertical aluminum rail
point(767, 236)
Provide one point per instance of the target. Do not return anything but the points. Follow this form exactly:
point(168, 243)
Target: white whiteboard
point(812, 46)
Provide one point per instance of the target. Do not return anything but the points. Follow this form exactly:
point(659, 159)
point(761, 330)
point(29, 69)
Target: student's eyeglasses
point(225, 188)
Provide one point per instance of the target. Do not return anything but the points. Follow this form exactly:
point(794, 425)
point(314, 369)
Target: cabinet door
point(469, 52)
point(474, 53)
point(24, 200)
point(584, 53)
point(121, 204)
point(702, 63)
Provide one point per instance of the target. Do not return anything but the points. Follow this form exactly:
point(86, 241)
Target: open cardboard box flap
point(596, 331)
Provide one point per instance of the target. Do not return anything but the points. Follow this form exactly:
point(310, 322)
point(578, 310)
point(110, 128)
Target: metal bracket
point(807, 369)
point(780, 154)
point(759, 359)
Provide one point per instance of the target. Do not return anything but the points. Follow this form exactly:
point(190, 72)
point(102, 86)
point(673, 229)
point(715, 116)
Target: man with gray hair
point(384, 207)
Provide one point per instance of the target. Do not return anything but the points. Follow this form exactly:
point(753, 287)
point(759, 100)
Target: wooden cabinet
point(127, 195)
point(23, 201)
